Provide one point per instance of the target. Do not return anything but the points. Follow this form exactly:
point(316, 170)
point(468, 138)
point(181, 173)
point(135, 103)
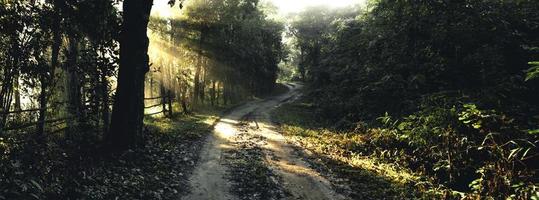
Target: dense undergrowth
point(438, 152)
point(73, 168)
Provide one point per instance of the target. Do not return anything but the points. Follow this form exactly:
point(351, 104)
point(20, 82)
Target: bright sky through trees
point(284, 6)
point(288, 6)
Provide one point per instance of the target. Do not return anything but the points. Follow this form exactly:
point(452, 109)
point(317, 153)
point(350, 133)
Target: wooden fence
point(58, 121)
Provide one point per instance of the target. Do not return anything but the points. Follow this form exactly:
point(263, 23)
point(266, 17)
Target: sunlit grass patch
point(190, 125)
point(341, 155)
point(340, 146)
point(336, 152)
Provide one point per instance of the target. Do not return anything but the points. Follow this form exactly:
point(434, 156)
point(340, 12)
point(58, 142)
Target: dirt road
point(210, 178)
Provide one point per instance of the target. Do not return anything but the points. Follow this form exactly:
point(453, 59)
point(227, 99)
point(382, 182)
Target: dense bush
point(465, 148)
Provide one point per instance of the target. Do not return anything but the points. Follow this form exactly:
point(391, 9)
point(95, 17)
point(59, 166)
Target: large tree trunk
point(72, 87)
point(46, 79)
point(128, 110)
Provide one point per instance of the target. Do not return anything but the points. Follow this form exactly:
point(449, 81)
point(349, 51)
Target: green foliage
point(472, 116)
point(533, 72)
point(343, 156)
point(442, 143)
point(232, 42)
point(439, 83)
point(455, 143)
point(386, 59)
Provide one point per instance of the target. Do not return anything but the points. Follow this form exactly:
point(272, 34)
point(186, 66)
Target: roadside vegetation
point(442, 89)
point(74, 168)
point(339, 155)
point(376, 162)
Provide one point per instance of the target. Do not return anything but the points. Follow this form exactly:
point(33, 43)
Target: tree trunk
point(128, 110)
point(203, 86)
point(196, 89)
point(104, 93)
point(169, 98)
point(105, 110)
point(301, 65)
point(163, 94)
point(184, 99)
point(5, 101)
point(42, 105)
point(5, 92)
point(17, 93)
point(46, 78)
point(217, 93)
point(225, 93)
point(212, 93)
point(184, 106)
point(197, 86)
point(72, 87)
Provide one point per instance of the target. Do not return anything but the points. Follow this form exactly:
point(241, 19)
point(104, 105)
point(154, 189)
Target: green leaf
point(533, 132)
point(402, 126)
point(475, 184)
point(520, 184)
point(533, 72)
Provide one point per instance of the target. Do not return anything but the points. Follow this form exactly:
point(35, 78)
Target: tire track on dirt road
point(209, 180)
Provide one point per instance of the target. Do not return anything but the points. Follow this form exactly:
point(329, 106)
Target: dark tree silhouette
point(128, 110)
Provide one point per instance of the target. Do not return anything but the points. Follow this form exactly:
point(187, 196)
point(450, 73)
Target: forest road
point(209, 180)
